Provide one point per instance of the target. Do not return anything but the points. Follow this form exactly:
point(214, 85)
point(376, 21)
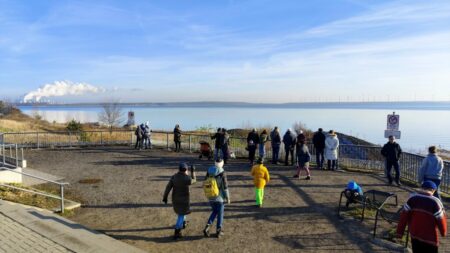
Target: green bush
point(74, 126)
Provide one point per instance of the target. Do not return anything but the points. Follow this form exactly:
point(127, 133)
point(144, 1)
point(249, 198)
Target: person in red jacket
point(424, 214)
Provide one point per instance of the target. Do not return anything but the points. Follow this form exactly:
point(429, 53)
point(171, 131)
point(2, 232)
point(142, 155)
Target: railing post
point(3, 153)
point(167, 140)
point(37, 140)
point(17, 157)
point(70, 139)
point(62, 197)
point(101, 138)
point(131, 138)
point(190, 144)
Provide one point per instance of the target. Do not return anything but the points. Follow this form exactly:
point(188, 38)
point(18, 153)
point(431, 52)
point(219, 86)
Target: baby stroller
point(205, 150)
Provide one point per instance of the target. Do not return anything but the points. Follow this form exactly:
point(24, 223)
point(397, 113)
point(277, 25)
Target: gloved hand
point(165, 201)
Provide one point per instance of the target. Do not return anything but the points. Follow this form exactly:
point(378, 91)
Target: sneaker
point(219, 233)
point(308, 178)
point(185, 224)
point(177, 234)
point(296, 176)
point(206, 230)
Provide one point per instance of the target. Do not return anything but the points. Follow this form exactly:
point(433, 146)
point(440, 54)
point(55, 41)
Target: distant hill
point(310, 105)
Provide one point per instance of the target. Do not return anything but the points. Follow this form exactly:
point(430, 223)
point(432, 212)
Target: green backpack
point(211, 188)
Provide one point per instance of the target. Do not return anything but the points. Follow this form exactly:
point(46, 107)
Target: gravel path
point(126, 204)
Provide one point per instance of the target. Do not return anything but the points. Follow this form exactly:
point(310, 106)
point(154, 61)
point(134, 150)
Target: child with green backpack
point(215, 187)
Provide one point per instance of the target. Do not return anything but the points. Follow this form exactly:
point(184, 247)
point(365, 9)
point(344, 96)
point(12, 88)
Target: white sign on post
point(393, 122)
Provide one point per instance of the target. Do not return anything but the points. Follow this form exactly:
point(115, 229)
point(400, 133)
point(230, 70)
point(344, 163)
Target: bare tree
point(112, 115)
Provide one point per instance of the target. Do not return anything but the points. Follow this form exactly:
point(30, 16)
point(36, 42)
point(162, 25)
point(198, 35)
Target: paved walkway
point(29, 229)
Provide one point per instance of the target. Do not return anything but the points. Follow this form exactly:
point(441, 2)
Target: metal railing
point(352, 156)
point(61, 186)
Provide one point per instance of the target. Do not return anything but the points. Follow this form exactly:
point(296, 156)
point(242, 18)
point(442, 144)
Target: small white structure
point(130, 121)
point(7, 176)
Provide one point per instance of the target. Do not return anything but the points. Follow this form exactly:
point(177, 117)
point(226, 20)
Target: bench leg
point(375, 226)
point(364, 209)
point(339, 207)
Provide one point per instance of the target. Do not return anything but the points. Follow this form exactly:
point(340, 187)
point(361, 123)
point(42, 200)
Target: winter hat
point(183, 166)
point(429, 185)
point(260, 160)
point(219, 163)
point(352, 185)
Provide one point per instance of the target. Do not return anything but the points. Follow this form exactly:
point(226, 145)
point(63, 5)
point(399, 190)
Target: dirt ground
point(298, 215)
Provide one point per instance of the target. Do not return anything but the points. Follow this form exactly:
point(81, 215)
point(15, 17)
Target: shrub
point(74, 126)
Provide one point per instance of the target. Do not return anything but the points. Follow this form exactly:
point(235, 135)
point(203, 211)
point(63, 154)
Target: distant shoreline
point(308, 105)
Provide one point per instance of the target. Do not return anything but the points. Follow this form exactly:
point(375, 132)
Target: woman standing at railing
point(177, 137)
point(331, 146)
point(431, 169)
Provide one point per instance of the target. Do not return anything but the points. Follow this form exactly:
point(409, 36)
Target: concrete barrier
point(7, 176)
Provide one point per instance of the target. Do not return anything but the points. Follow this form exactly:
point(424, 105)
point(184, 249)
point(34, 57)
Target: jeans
point(275, 153)
point(177, 146)
point(286, 160)
point(319, 157)
point(217, 210)
point(251, 153)
point(437, 182)
point(217, 153)
point(262, 150)
point(259, 195)
point(389, 165)
point(180, 221)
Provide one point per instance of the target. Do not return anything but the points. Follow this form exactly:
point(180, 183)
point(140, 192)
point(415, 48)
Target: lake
point(420, 128)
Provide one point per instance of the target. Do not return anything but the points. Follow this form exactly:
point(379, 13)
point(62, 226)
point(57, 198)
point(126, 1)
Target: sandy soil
point(298, 215)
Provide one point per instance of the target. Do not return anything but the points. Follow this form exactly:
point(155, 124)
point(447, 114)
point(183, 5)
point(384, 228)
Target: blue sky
point(251, 51)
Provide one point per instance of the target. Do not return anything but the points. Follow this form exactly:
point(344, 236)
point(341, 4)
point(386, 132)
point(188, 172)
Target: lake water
point(419, 128)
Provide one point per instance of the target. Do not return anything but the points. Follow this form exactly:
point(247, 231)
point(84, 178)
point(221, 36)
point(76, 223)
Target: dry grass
point(90, 181)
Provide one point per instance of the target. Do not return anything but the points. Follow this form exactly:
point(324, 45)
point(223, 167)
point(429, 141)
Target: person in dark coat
point(139, 140)
point(177, 138)
point(319, 146)
point(392, 152)
point(275, 139)
point(289, 145)
point(180, 183)
point(252, 145)
point(225, 146)
point(219, 139)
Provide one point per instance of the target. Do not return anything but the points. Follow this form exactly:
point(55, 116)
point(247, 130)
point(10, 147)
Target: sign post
point(392, 126)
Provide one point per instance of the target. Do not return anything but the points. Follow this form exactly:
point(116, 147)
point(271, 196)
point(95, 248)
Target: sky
point(236, 50)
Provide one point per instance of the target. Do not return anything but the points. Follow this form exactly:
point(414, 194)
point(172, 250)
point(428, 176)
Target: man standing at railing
point(392, 152)
point(319, 146)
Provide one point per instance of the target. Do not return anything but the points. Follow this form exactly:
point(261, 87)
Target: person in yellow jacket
point(261, 176)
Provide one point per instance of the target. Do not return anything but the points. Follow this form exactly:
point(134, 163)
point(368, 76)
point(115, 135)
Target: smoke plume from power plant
point(59, 89)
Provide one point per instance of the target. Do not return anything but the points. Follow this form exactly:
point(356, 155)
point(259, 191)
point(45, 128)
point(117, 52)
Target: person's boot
point(177, 234)
point(206, 230)
point(219, 233)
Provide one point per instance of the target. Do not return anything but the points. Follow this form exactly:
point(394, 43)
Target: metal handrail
point(61, 186)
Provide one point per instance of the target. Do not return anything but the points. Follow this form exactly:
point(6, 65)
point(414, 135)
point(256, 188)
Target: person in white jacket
point(331, 152)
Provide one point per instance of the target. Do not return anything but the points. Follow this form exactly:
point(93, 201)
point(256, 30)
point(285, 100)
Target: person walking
point(219, 139)
point(217, 202)
point(225, 146)
point(431, 169)
point(138, 133)
point(252, 144)
point(180, 183)
point(261, 177)
point(275, 140)
point(392, 152)
point(289, 145)
point(177, 137)
point(331, 152)
point(425, 216)
point(146, 135)
point(263, 138)
point(319, 146)
point(303, 157)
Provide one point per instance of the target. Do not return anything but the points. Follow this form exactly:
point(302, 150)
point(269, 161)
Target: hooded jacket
point(275, 138)
point(331, 145)
point(260, 175)
point(180, 195)
point(391, 151)
point(431, 168)
point(222, 183)
point(319, 140)
point(289, 140)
